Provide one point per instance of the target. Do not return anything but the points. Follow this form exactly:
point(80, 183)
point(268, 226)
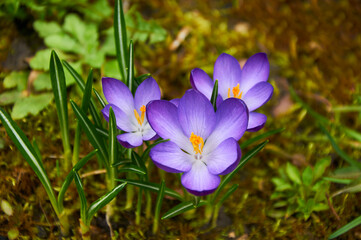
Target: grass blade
point(29, 153)
point(338, 150)
point(92, 134)
point(158, 206)
point(99, 97)
point(228, 194)
point(113, 149)
point(133, 168)
point(101, 202)
point(154, 187)
point(215, 95)
point(78, 79)
point(83, 203)
point(70, 178)
point(131, 68)
point(261, 136)
point(59, 89)
point(244, 160)
point(181, 208)
point(120, 35)
point(346, 228)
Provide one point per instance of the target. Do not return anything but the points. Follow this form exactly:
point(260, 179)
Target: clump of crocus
point(202, 143)
point(249, 84)
point(130, 111)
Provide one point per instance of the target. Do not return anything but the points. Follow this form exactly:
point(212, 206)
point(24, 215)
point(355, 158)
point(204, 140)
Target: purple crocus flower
point(203, 143)
point(130, 112)
point(249, 84)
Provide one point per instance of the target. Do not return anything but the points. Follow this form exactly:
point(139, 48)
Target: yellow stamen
point(140, 118)
point(197, 143)
point(236, 92)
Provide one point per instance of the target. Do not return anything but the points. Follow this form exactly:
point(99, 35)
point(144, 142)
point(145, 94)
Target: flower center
point(236, 92)
point(197, 143)
point(141, 118)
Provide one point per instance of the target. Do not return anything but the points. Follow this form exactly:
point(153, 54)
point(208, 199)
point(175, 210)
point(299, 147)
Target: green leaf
point(215, 95)
point(181, 208)
point(63, 42)
point(261, 136)
point(136, 159)
point(132, 168)
point(338, 180)
point(9, 97)
point(130, 80)
point(104, 200)
point(91, 133)
point(29, 153)
point(243, 161)
point(78, 79)
point(70, 177)
point(120, 35)
point(111, 69)
point(31, 105)
point(339, 151)
point(228, 194)
point(320, 167)
point(307, 176)
point(346, 228)
point(46, 28)
point(40, 60)
point(87, 92)
point(42, 82)
point(293, 173)
point(354, 186)
point(99, 97)
point(59, 89)
point(152, 187)
point(16, 79)
point(83, 203)
point(158, 206)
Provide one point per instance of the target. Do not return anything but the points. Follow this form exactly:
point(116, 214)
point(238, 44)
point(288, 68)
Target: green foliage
point(300, 192)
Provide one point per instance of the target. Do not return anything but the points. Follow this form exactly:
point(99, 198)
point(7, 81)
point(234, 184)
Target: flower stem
point(64, 223)
point(85, 230)
point(76, 144)
point(139, 207)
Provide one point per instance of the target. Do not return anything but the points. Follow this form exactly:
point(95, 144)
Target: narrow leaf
point(120, 35)
point(228, 194)
point(104, 200)
point(133, 168)
point(113, 150)
point(38, 154)
point(91, 133)
point(59, 89)
point(102, 132)
point(99, 97)
point(346, 228)
point(259, 137)
point(243, 161)
point(215, 95)
point(131, 68)
point(293, 173)
point(26, 149)
point(320, 167)
point(158, 206)
point(152, 187)
point(83, 203)
point(181, 208)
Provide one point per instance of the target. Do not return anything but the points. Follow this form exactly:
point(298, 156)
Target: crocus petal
point(175, 101)
point(232, 121)
point(235, 164)
point(254, 71)
point(202, 82)
point(117, 93)
point(256, 121)
point(169, 157)
point(147, 91)
point(163, 118)
point(196, 114)
point(131, 139)
point(148, 133)
point(123, 121)
point(225, 155)
point(199, 181)
point(228, 72)
point(258, 95)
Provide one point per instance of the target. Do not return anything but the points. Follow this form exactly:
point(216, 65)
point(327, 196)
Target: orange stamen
point(140, 118)
point(197, 143)
point(236, 92)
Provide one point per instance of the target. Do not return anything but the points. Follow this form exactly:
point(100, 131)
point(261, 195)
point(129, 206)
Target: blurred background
point(313, 47)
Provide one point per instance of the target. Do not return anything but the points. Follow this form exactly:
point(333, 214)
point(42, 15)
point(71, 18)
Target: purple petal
point(199, 181)
point(148, 133)
point(202, 82)
point(147, 91)
point(228, 72)
point(196, 114)
point(117, 93)
point(169, 157)
point(254, 71)
point(235, 164)
point(258, 95)
point(224, 156)
point(256, 121)
point(163, 118)
point(123, 121)
point(131, 139)
point(175, 101)
point(232, 121)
